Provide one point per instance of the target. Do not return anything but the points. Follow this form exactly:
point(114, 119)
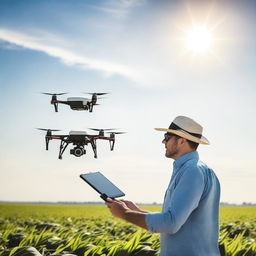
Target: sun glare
point(199, 39)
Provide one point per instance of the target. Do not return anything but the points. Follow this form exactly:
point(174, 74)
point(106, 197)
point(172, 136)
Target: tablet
point(102, 185)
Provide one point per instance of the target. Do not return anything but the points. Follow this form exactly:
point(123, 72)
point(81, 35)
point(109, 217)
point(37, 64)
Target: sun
point(199, 39)
point(199, 35)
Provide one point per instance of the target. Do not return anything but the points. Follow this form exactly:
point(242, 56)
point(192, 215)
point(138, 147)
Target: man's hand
point(132, 206)
point(117, 207)
point(120, 209)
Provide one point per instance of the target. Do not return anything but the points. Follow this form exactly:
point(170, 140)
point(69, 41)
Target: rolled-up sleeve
point(180, 203)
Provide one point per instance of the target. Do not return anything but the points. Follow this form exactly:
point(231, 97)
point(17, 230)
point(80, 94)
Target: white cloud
point(134, 61)
point(68, 57)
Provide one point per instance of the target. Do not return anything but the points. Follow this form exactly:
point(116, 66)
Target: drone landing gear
point(47, 142)
point(63, 146)
point(112, 143)
point(54, 101)
point(55, 107)
point(94, 148)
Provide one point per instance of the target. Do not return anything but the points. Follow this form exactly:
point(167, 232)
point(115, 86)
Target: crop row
point(68, 235)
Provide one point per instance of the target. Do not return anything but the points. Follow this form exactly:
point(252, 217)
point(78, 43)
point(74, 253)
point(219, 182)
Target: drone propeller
point(101, 131)
point(51, 130)
point(96, 129)
point(116, 132)
point(97, 93)
point(54, 94)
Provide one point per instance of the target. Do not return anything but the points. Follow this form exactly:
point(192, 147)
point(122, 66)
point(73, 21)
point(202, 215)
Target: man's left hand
point(117, 207)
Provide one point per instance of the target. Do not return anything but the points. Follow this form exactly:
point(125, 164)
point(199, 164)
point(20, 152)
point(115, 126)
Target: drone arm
point(64, 102)
point(56, 102)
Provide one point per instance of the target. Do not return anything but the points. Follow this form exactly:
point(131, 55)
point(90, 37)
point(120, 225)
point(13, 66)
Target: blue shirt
point(189, 221)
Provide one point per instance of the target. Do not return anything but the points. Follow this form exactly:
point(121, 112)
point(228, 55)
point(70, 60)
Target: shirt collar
point(184, 158)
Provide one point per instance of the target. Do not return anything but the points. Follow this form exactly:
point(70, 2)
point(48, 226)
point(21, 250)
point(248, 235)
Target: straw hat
point(187, 128)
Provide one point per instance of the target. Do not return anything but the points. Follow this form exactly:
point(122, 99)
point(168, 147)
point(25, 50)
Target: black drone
point(75, 103)
point(80, 139)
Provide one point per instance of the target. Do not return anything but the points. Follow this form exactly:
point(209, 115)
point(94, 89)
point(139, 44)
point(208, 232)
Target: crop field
point(66, 230)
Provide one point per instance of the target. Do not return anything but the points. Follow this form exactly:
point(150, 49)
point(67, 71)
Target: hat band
point(174, 126)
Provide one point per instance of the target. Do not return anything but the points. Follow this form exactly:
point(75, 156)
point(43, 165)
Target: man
point(188, 223)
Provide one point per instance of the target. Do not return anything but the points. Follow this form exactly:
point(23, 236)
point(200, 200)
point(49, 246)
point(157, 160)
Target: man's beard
point(170, 153)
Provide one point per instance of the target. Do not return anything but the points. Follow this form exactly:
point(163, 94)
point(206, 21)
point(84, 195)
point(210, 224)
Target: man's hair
point(193, 144)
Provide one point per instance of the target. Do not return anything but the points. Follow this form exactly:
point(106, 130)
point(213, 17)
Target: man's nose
point(163, 141)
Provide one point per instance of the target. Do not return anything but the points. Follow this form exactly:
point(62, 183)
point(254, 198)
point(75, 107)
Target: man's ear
point(182, 141)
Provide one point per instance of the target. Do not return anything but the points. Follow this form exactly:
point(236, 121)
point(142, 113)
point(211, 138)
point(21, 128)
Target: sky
point(138, 52)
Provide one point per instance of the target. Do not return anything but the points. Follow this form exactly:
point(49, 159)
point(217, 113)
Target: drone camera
point(77, 151)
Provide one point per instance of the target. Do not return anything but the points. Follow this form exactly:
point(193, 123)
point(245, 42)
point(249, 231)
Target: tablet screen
point(101, 184)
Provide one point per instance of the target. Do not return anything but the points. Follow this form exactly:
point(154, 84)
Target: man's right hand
point(132, 206)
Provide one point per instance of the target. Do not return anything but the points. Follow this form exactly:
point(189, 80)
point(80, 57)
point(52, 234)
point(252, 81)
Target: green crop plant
point(76, 230)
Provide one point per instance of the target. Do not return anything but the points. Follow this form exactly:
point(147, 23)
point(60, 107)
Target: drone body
point(79, 103)
point(75, 103)
point(79, 139)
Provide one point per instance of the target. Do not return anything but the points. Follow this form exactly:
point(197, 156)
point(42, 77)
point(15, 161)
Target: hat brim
point(185, 135)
